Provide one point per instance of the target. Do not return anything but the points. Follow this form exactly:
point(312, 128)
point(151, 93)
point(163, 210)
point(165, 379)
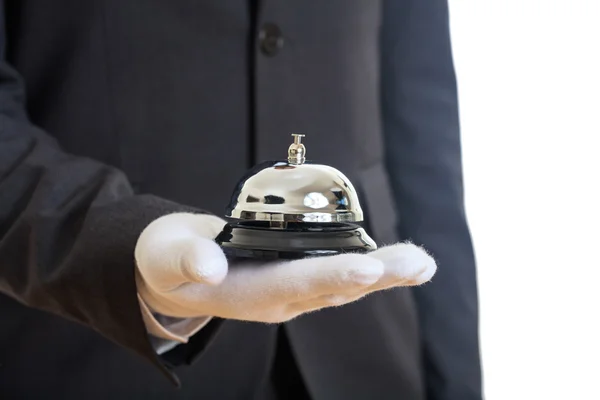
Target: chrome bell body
point(292, 209)
point(277, 191)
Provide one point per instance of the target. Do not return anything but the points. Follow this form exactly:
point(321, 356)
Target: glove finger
point(405, 265)
point(188, 259)
point(328, 300)
point(282, 283)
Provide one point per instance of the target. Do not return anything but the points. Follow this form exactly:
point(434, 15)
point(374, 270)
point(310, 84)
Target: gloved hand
point(183, 273)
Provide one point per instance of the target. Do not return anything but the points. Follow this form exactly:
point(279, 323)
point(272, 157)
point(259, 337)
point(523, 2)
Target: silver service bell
point(293, 209)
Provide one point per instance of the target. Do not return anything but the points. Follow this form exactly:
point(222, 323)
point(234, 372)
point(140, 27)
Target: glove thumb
point(169, 255)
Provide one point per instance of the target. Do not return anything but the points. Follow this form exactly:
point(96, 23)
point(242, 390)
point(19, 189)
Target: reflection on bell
point(293, 209)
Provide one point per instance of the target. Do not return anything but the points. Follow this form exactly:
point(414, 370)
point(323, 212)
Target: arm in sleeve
point(423, 152)
point(168, 332)
point(68, 228)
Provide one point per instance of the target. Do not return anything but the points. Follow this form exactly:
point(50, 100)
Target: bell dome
point(295, 191)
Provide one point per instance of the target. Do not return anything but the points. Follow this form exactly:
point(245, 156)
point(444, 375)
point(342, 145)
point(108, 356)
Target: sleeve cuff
point(168, 332)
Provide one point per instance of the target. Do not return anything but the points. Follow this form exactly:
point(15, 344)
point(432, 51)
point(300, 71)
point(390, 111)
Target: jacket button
point(271, 39)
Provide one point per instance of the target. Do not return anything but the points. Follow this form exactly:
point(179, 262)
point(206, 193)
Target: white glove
point(183, 273)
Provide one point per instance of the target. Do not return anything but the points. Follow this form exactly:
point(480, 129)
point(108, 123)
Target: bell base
point(259, 241)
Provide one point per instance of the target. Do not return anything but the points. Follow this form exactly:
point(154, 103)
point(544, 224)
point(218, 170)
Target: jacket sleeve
point(68, 228)
point(423, 147)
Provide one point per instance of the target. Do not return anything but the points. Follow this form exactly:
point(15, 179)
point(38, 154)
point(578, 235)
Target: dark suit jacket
point(114, 112)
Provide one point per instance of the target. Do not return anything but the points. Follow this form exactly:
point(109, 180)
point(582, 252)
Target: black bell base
point(244, 240)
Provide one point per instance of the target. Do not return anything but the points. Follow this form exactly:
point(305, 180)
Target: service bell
point(293, 209)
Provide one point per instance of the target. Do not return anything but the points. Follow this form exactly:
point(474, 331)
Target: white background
point(529, 87)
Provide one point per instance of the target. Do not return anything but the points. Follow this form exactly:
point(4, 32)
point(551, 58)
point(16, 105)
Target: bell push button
point(270, 39)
